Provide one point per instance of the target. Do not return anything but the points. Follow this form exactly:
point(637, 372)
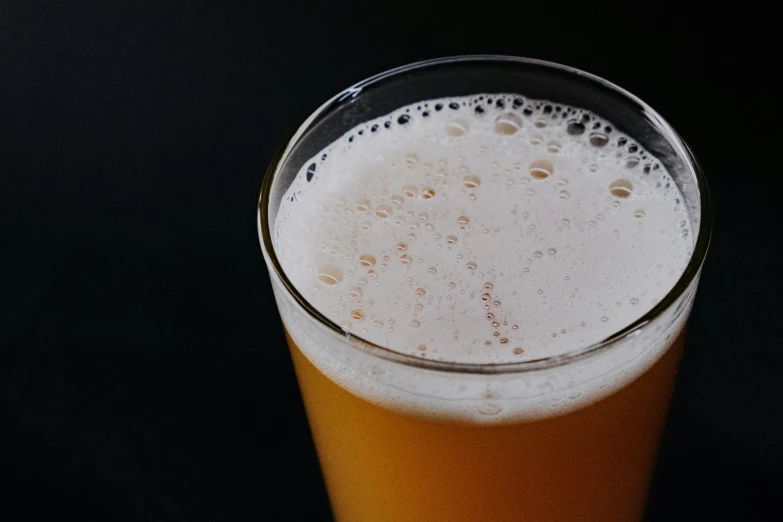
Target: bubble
point(355, 292)
point(409, 190)
point(397, 199)
point(362, 205)
point(489, 409)
point(463, 220)
point(428, 193)
point(457, 128)
point(563, 194)
point(553, 146)
point(415, 323)
point(518, 351)
point(357, 314)
point(383, 211)
point(412, 158)
point(639, 213)
point(378, 323)
point(496, 303)
point(503, 340)
point(604, 318)
point(551, 251)
point(598, 139)
point(631, 162)
point(471, 265)
point(451, 239)
point(485, 297)
point(488, 286)
point(405, 259)
point(541, 169)
point(575, 128)
point(422, 347)
point(508, 123)
point(432, 270)
point(402, 247)
point(540, 123)
point(330, 275)
point(621, 188)
point(420, 291)
point(471, 181)
point(514, 326)
point(634, 300)
point(367, 260)
point(538, 253)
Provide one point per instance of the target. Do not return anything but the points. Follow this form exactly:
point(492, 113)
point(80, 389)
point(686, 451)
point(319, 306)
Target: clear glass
point(404, 438)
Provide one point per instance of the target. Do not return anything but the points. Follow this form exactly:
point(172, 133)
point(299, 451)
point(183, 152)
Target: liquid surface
point(486, 229)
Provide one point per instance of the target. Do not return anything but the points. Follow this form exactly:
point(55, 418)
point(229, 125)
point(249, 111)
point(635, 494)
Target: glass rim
point(357, 342)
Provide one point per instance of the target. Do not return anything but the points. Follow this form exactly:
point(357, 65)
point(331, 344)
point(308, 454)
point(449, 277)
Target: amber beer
point(591, 464)
point(484, 266)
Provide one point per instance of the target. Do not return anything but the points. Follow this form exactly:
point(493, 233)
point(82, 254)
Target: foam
point(488, 229)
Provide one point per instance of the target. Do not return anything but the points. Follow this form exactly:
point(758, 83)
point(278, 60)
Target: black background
point(143, 374)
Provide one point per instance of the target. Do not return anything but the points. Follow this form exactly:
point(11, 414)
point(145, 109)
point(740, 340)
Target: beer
point(465, 265)
point(594, 463)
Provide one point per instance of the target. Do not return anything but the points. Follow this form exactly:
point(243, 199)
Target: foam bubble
point(508, 123)
point(330, 275)
point(367, 260)
point(621, 188)
point(541, 169)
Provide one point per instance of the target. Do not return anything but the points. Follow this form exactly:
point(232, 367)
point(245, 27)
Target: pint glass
point(485, 197)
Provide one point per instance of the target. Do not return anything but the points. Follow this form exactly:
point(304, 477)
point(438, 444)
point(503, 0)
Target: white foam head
point(488, 229)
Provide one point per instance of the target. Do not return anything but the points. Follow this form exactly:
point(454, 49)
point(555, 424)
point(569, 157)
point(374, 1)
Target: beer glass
point(567, 437)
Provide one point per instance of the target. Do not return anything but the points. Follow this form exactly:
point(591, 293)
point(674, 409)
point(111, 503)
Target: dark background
point(143, 374)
